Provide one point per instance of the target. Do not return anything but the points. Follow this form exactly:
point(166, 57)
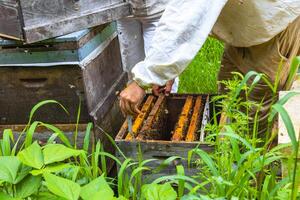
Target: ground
point(201, 74)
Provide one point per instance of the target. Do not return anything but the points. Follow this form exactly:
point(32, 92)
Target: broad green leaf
point(97, 189)
point(158, 192)
point(22, 173)
point(62, 187)
point(58, 152)
point(32, 156)
point(29, 185)
point(9, 167)
point(51, 169)
point(4, 196)
point(48, 196)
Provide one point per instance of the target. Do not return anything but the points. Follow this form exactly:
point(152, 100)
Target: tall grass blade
point(6, 142)
point(103, 161)
point(87, 137)
point(207, 160)
point(281, 102)
point(293, 71)
point(121, 173)
point(181, 182)
point(42, 103)
point(288, 124)
point(166, 163)
point(57, 132)
point(111, 140)
point(30, 132)
point(77, 123)
point(95, 159)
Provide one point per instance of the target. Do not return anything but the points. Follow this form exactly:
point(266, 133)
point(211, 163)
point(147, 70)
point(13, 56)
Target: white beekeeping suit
point(136, 32)
point(186, 24)
point(259, 35)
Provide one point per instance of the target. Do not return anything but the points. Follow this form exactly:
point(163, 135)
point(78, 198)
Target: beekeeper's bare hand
point(156, 89)
point(130, 99)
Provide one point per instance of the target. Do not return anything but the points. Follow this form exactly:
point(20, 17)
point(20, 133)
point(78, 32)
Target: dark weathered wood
point(10, 24)
point(60, 17)
point(23, 87)
point(103, 78)
point(162, 150)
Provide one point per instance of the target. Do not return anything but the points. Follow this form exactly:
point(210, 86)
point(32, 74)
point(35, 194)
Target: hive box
point(36, 20)
point(163, 148)
point(84, 65)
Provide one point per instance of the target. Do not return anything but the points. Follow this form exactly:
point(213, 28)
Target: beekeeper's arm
point(181, 32)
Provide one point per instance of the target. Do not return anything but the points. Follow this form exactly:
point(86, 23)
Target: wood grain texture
point(103, 77)
point(22, 88)
point(10, 24)
point(50, 18)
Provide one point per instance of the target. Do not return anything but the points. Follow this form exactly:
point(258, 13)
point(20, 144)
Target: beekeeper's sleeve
point(181, 32)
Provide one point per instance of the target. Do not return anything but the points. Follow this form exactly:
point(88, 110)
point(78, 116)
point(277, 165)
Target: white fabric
point(148, 8)
point(185, 25)
point(135, 37)
point(247, 23)
point(178, 38)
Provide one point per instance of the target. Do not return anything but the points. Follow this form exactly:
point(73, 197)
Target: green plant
point(239, 168)
point(242, 166)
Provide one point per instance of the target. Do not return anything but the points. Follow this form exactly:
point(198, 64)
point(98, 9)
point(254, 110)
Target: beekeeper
point(135, 36)
point(258, 34)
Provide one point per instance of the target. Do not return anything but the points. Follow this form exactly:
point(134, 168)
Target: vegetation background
point(203, 69)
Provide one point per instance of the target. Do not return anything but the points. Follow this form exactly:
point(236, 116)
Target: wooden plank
point(10, 24)
point(103, 77)
point(22, 88)
point(60, 51)
point(61, 17)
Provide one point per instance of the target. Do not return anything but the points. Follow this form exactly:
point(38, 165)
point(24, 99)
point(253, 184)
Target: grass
point(201, 75)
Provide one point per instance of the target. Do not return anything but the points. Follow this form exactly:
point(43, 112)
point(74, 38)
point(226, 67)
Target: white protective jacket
point(148, 8)
point(186, 24)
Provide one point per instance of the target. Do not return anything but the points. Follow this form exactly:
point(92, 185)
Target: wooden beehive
point(36, 20)
point(85, 64)
point(157, 135)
